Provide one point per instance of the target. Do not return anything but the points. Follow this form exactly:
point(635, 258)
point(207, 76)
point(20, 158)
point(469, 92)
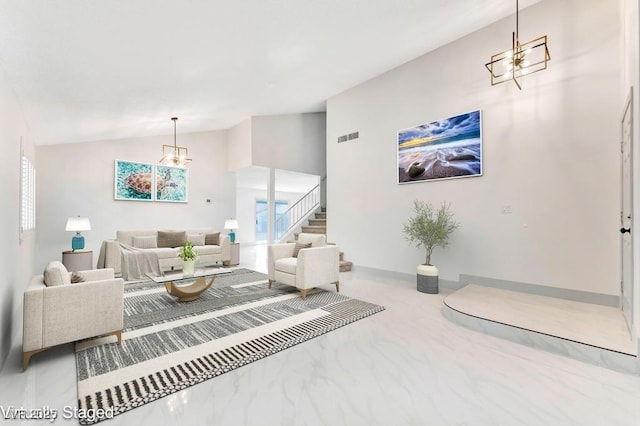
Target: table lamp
point(231, 224)
point(78, 224)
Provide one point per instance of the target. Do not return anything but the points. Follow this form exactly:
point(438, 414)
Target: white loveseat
point(167, 256)
point(60, 312)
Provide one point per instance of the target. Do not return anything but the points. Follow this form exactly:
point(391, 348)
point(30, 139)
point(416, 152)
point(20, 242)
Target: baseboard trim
point(403, 276)
point(540, 290)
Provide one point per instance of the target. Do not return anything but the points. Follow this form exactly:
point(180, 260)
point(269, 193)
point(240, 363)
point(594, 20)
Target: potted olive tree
point(189, 257)
point(430, 228)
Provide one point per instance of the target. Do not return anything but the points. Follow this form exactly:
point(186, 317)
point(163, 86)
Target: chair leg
point(118, 335)
point(26, 357)
point(303, 292)
point(337, 283)
point(270, 282)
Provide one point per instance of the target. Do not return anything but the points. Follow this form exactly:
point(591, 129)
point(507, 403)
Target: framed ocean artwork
point(133, 181)
point(443, 149)
point(172, 184)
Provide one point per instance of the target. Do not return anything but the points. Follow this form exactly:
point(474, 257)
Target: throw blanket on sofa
point(136, 263)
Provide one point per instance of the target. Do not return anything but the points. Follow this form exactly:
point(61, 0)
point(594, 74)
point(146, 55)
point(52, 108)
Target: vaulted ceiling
point(93, 70)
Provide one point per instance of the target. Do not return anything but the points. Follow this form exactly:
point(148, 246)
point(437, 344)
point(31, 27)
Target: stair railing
point(296, 213)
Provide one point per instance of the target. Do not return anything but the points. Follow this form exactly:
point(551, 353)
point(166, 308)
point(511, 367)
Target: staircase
point(318, 225)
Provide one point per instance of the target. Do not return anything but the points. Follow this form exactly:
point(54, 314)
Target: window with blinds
point(27, 196)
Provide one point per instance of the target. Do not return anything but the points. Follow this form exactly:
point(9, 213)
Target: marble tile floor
point(407, 365)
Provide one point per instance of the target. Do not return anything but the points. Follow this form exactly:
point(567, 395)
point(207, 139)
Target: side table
point(235, 254)
point(79, 260)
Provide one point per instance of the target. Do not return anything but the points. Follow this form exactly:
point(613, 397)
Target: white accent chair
point(60, 312)
point(314, 266)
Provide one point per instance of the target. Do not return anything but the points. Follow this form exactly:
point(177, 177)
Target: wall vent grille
point(349, 137)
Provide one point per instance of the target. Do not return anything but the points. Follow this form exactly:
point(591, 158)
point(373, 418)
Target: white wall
point(239, 137)
point(551, 151)
point(16, 259)
point(78, 179)
point(295, 142)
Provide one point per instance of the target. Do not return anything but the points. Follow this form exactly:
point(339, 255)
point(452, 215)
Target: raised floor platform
point(592, 333)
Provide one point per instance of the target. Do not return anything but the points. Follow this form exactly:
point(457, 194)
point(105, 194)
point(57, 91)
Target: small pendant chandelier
point(173, 155)
point(522, 59)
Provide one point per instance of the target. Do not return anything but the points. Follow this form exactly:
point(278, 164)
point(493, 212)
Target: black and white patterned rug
point(169, 345)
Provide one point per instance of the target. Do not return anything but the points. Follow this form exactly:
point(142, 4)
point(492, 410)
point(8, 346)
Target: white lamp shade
point(231, 224)
point(78, 224)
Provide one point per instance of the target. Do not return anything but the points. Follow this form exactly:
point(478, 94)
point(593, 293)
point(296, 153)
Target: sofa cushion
point(196, 239)
point(165, 252)
point(286, 264)
point(55, 273)
point(171, 238)
point(298, 247)
point(205, 250)
point(145, 242)
point(212, 239)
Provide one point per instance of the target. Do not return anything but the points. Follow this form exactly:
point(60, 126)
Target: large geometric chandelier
point(521, 60)
point(174, 155)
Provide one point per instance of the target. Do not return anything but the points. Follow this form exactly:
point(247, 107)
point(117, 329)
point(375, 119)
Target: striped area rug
point(168, 345)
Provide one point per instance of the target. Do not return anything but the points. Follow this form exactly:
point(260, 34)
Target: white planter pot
point(427, 279)
point(188, 267)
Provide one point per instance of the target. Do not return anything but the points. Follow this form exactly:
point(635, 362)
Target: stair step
point(295, 239)
point(318, 222)
point(314, 229)
point(321, 215)
point(345, 266)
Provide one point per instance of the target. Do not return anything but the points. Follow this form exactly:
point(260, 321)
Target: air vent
point(349, 137)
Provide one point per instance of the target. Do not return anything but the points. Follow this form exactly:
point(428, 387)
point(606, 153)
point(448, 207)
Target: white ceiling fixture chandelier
point(174, 155)
point(522, 59)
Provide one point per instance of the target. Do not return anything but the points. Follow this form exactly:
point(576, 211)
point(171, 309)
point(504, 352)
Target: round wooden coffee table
point(187, 293)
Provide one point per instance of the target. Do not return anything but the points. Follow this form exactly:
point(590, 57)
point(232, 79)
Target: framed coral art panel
point(133, 181)
point(443, 149)
point(172, 184)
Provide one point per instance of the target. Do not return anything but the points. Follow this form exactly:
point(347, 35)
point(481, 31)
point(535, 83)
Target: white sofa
point(61, 312)
point(167, 256)
point(312, 267)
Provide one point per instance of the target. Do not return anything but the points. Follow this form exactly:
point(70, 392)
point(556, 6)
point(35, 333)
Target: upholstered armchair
point(304, 268)
point(60, 312)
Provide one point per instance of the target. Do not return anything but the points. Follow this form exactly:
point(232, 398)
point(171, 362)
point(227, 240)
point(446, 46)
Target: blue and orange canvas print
point(443, 149)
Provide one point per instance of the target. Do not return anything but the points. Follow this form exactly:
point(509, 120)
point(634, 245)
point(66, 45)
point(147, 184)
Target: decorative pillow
point(76, 278)
point(171, 238)
point(55, 273)
point(196, 239)
point(212, 239)
point(145, 242)
point(300, 246)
